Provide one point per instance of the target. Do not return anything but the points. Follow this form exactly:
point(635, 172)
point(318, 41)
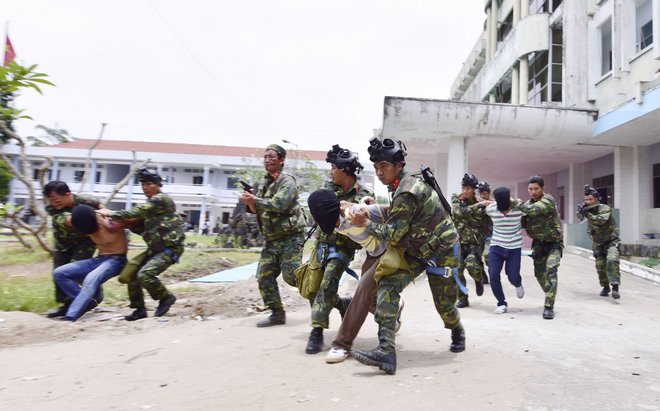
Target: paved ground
point(597, 354)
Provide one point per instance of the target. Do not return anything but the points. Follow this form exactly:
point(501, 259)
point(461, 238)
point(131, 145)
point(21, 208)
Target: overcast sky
point(236, 72)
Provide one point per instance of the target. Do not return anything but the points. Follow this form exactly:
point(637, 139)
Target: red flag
point(10, 54)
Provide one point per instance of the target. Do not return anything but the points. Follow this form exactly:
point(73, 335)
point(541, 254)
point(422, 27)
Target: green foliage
point(14, 78)
point(5, 179)
point(52, 136)
point(650, 262)
point(10, 255)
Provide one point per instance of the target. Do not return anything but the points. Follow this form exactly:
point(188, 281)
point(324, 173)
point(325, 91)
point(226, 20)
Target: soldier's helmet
point(148, 176)
point(483, 187)
point(345, 160)
point(386, 150)
point(590, 191)
point(469, 180)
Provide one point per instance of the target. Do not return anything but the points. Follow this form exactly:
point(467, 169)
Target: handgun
point(246, 186)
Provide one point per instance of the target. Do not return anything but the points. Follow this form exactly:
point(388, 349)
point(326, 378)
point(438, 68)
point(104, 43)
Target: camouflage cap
point(278, 149)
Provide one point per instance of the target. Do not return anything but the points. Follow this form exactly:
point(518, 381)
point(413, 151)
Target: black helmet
point(386, 150)
point(148, 176)
point(345, 160)
point(483, 187)
point(469, 180)
point(590, 191)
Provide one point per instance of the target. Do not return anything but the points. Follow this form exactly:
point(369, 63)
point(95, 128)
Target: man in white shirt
point(505, 245)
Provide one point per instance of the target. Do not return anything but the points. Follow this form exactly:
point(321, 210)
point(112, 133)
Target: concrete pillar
point(524, 8)
point(129, 192)
point(440, 169)
point(202, 217)
point(632, 180)
point(523, 72)
point(578, 176)
point(91, 179)
point(515, 85)
point(456, 163)
point(492, 36)
point(516, 11)
point(489, 22)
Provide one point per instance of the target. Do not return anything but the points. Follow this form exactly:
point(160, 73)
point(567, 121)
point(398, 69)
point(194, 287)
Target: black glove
point(580, 211)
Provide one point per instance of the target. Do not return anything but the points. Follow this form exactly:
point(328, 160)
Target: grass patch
point(650, 262)
point(21, 255)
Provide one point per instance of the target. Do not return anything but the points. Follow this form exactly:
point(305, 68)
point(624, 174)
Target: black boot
point(548, 313)
point(315, 342)
point(462, 301)
point(457, 339)
point(484, 277)
point(376, 357)
point(342, 305)
point(605, 291)
point(278, 317)
point(60, 312)
point(615, 291)
point(164, 305)
point(479, 288)
point(138, 314)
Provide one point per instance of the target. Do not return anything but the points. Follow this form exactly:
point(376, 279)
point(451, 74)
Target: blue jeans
point(497, 257)
point(92, 272)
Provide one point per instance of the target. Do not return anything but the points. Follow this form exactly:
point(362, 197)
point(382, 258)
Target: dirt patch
point(26, 270)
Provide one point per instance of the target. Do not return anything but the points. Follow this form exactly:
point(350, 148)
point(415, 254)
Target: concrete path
point(597, 354)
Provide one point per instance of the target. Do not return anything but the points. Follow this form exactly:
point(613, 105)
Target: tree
point(53, 135)
point(5, 179)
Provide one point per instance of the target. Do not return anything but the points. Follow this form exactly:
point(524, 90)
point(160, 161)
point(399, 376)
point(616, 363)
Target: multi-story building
point(565, 89)
point(200, 178)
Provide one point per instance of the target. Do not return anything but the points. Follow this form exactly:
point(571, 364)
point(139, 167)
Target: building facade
point(566, 89)
point(200, 178)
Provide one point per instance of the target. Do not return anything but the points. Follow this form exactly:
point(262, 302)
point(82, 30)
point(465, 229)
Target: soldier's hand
point(360, 218)
point(368, 201)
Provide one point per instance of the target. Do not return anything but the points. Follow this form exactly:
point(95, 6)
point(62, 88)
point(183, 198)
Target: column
point(492, 36)
point(516, 10)
point(489, 22)
point(456, 163)
point(202, 217)
point(632, 190)
point(515, 85)
point(523, 73)
point(440, 172)
point(129, 192)
point(91, 179)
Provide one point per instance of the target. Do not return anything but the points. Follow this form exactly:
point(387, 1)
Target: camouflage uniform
point(326, 298)
point(471, 222)
point(164, 235)
point(604, 233)
point(417, 225)
point(541, 221)
point(282, 223)
point(70, 244)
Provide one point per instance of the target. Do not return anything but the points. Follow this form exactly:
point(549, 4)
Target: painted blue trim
point(628, 112)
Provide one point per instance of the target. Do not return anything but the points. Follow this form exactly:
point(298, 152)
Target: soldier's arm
point(600, 216)
point(398, 220)
point(457, 206)
point(541, 207)
point(283, 199)
point(62, 219)
point(140, 211)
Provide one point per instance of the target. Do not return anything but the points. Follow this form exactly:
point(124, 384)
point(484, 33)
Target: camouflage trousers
point(326, 297)
point(546, 263)
point(60, 258)
point(607, 263)
point(388, 295)
point(484, 254)
point(471, 260)
point(147, 278)
point(278, 256)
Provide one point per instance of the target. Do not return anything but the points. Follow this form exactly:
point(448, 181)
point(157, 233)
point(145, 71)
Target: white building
point(565, 89)
point(200, 178)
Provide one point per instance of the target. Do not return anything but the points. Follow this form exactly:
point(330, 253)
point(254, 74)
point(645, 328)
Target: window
point(557, 58)
point(78, 175)
point(503, 90)
point(543, 6)
point(505, 27)
point(232, 182)
point(198, 180)
point(606, 47)
point(97, 180)
point(644, 24)
point(538, 78)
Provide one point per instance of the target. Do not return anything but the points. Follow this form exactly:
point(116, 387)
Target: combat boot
point(376, 357)
point(60, 312)
point(164, 305)
point(479, 288)
point(615, 291)
point(278, 317)
point(462, 302)
point(315, 342)
point(457, 339)
point(342, 305)
point(548, 313)
point(605, 291)
point(138, 314)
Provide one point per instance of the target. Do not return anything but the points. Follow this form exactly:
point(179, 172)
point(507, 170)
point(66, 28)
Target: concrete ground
point(597, 354)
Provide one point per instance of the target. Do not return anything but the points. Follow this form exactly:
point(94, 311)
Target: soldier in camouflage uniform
point(542, 223)
point(164, 234)
point(471, 222)
point(421, 233)
point(70, 244)
point(483, 188)
point(336, 250)
point(282, 223)
point(604, 233)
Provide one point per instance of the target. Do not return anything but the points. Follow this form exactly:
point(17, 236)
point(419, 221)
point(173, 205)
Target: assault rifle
point(429, 179)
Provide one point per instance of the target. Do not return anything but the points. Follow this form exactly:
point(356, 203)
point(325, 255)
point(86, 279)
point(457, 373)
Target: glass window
point(644, 24)
point(606, 47)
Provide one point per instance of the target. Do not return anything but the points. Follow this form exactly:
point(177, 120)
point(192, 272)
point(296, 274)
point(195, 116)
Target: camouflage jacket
point(163, 226)
point(541, 219)
point(67, 238)
point(470, 219)
point(416, 221)
point(602, 226)
point(354, 195)
point(278, 213)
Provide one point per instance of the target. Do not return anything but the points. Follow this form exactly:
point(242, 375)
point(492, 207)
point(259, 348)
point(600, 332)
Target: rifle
point(429, 179)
